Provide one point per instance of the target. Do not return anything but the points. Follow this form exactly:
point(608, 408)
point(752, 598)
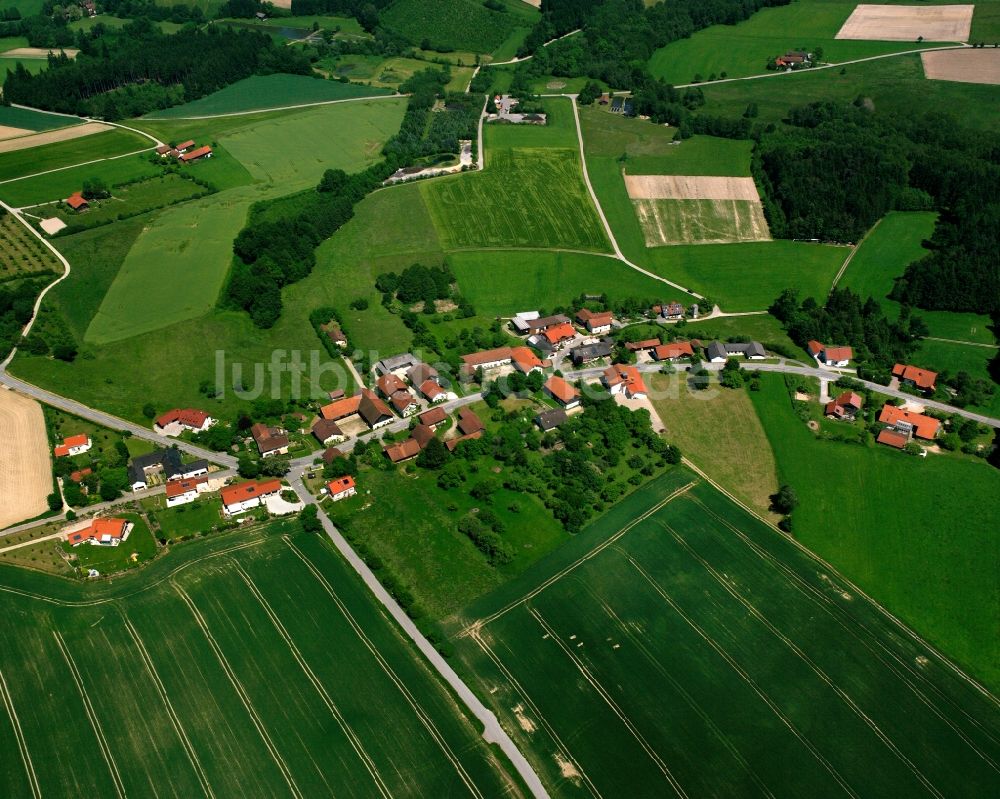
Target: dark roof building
point(591, 352)
point(549, 420)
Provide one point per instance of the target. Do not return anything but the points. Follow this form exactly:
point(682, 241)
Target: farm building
point(908, 422)
point(924, 379)
point(539, 324)
point(74, 445)
point(469, 422)
point(486, 360)
point(554, 338)
point(365, 404)
point(194, 155)
point(673, 351)
point(108, 532)
point(719, 352)
point(341, 488)
point(270, 440)
point(645, 345)
point(625, 380)
point(77, 202)
point(420, 373)
point(403, 451)
point(596, 323)
point(846, 406)
point(433, 392)
point(521, 322)
point(891, 438)
point(831, 356)
point(181, 492)
point(331, 454)
point(163, 150)
point(165, 461)
point(433, 417)
point(242, 497)
point(562, 392)
point(184, 146)
point(327, 432)
point(396, 363)
point(174, 422)
point(588, 353)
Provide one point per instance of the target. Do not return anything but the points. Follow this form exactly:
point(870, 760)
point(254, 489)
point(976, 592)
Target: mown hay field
point(26, 469)
point(684, 638)
point(241, 665)
point(700, 221)
point(524, 198)
point(67, 153)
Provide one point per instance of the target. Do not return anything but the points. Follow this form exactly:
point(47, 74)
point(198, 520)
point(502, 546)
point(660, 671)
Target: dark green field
point(459, 24)
point(681, 647)
point(245, 665)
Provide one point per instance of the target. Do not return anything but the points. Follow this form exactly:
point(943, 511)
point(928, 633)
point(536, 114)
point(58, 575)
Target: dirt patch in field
point(25, 469)
point(52, 225)
point(666, 222)
point(566, 768)
point(7, 132)
point(963, 66)
point(38, 52)
point(52, 136)
point(555, 84)
point(523, 721)
point(690, 187)
point(908, 23)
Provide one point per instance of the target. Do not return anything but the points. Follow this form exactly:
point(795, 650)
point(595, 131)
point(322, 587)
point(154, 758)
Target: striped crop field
point(246, 665)
point(680, 647)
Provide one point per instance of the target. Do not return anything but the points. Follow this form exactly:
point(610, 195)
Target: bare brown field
point(908, 23)
point(52, 136)
point(690, 187)
point(38, 52)
point(963, 66)
point(666, 222)
point(25, 468)
point(7, 132)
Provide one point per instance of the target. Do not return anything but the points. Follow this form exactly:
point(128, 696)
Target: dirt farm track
point(25, 469)
point(964, 66)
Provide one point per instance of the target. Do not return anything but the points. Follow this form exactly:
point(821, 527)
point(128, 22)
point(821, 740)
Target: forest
point(200, 61)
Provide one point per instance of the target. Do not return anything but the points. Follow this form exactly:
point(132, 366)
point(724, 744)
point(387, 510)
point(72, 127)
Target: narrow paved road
point(493, 732)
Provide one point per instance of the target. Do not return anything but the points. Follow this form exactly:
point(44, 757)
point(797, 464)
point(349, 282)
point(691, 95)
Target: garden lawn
point(188, 520)
point(524, 198)
point(67, 153)
point(917, 534)
point(59, 185)
point(744, 49)
point(261, 92)
point(884, 255)
point(502, 282)
point(108, 560)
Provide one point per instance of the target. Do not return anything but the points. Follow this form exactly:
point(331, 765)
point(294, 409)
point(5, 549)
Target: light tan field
point(282, 3)
point(7, 132)
point(50, 136)
point(38, 52)
point(690, 187)
point(25, 468)
point(666, 222)
point(964, 66)
point(908, 23)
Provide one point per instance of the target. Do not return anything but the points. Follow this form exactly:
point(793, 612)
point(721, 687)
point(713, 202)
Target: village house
point(550, 420)
point(422, 434)
point(174, 422)
point(74, 445)
point(553, 338)
point(433, 417)
point(341, 488)
point(588, 353)
point(486, 360)
point(77, 202)
point(434, 393)
point(469, 426)
point(625, 380)
point(181, 492)
point(194, 155)
point(403, 451)
point(397, 363)
point(673, 351)
point(327, 431)
point(542, 323)
point(420, 373)
point(270, 440)
point(330, 454)
point(924, 379)
point(891, 438)
point(165, 461)
point(562, 392)
point(831, 356)
point(107, 532)
point(398, 394)
point(909, 422)
point(241, 497)
point(525, 361)
point(672, 310)
point(163, 150)
point(720, 352)
point(844, 407)
point(596, 323)
point(646, 345)
point(365, 404)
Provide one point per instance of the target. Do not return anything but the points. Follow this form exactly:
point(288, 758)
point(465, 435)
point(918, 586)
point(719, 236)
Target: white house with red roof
point(924, 379)
point(177, 420)
point(106, 532)
point(241, 497)
point(624, 380)
point(594, 322)
point(831, 356)
point(74, 445)
point(181, 492)
point(341, 488)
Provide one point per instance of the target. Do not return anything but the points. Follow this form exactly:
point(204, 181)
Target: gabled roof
point(340, 485)
point(433, 417)
point(814, 348)
point(389, 384)
point(623, 373)
point(454, 442)
point(594, 318)
point(892, 438)
point(402, 451)
point(176, 488)
point(645, 344)
point(476, 359)
point(268, 439)
point(549, 420)
point(325, 429)
point(676, 349)
point(431, 390)
point(372, 409)
point(196, 154)
point(542, 322)
point(469, 422)
point(716, 350)
point(526, 360)
point(838, 353)
point(561, 390)
point(560, 332)
point(78, 475)
point(421, 373)
point(401, 400)
point(422, 434)
point(921, 378)
point(251, 489)
point(109, 529)
point(342, 408)
point(190, 417)
point(185, 144)
point(923, 426)
point(331, 453)
point(406, 359)
point(76, 201)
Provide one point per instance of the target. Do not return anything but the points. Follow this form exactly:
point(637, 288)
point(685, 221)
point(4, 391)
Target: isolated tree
point(732, 376)
point(55, 501)
point(785, 500)
point(309, 518)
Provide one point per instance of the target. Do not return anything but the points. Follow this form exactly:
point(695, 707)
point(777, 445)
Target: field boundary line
point(479, 624)
point(852, 253)
point(690, 700)
point(171, 713)
point(966, 343)
point(902, 670)
point(735, 666)
point(395, 96)
point(899, 623)
point(95, 723)
point(813, 666)
point(74, 166)
point(418, 710)
point(22, 744)
point(615, 708)
point(477, 637)
point(241, 691)
point(352, 737)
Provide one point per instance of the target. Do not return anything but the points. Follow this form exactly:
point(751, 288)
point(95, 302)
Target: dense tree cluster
point(199, 61)
point(847, 320)
point(416, 283)
point(16, 306)
point(427, 132)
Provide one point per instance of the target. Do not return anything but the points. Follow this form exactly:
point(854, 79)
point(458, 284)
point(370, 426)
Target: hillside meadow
point(105, 144)
point(917, 534)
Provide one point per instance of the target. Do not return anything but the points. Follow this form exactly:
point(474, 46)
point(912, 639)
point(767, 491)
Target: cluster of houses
point(185, 152)
point(468, 425)
point(505, 105)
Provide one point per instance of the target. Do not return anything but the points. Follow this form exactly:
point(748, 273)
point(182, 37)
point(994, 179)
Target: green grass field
point(193, 242)
point(458, 24)
point(210, 673)
point(61, 184)
point(33, 120)
point(666, 222)
point(915, 533)
point(885, 254)
point(267, 91)
point(559, 130)
point(699, 155)
point(33, 65)
point(945, 356)
point(524, 198)
point(502, 282)
point(744, 49)
point(67, 153)
point(753, 648)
